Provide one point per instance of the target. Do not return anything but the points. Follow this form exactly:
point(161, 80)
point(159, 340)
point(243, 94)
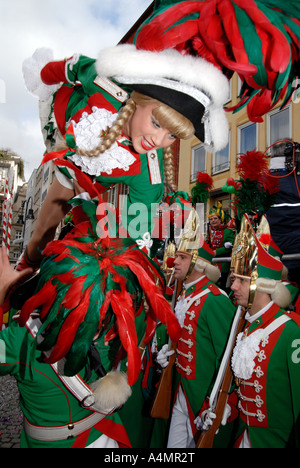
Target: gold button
point(153, 156)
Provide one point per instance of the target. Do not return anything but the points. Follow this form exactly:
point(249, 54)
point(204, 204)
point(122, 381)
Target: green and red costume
point(268, 376)
point(207, 315)
point(81, 104)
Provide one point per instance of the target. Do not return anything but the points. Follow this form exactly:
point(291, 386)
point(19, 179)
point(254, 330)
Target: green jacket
point(44, 400)
point(201, 346)
point(269, 399)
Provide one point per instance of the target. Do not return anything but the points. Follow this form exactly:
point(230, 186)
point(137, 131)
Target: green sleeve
point(13, 348)
point(228, 237)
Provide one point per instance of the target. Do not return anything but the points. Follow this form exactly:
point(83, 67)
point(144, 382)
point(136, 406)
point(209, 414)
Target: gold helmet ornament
point(251, 259)
point(193, 243)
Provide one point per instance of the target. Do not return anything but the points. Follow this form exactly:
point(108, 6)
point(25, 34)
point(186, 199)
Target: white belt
point(69, 431)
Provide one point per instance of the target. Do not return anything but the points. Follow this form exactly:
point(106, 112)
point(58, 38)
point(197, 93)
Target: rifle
point(162, 401)
point(220, 392)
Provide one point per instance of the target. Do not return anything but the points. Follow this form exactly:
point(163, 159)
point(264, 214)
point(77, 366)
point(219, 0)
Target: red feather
point(253, 165)
point(170, 262)
point(157, 302)
point(265, 239)
point(45, 297)
point(203, 177)
point(123, 308)
point(74, 293)
point(278, 54)
point(69, 329)
point(259, 105)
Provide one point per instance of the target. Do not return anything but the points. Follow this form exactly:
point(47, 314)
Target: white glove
point(226, 415)
point(228, 245)
point(205, 421)
point(163, 356)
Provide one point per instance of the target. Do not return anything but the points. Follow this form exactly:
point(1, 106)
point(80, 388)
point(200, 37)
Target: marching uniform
point(221, 241)
point(205, 315)
point(265, 360)
point(266, 367)
point(217, 239)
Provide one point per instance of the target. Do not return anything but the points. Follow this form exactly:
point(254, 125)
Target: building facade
point(244, 136)
point(11, 193)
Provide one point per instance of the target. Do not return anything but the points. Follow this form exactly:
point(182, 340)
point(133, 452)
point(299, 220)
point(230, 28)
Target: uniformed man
point(266, 359)
point(220, 238)
point(205, 314)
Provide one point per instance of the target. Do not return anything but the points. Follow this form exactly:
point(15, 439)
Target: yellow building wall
point(234, 120)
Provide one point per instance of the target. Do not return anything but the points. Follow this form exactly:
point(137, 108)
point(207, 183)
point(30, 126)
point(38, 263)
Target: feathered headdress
point(89, 285)
point(258, 39)
point(255, 191)
point(200, 192)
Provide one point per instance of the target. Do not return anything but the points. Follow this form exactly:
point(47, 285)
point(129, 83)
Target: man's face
point(241, 289)
point(215, 222)
point(182, 265)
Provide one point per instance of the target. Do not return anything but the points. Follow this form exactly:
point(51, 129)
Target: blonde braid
point(169, 168)
point(113, 133)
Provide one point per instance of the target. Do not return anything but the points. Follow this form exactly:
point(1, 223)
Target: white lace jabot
point(88, 133)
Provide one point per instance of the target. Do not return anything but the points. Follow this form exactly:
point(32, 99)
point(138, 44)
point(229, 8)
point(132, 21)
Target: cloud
point(66, 27)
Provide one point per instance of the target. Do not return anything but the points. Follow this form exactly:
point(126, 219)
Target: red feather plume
point(122, 306)
point(69, 328)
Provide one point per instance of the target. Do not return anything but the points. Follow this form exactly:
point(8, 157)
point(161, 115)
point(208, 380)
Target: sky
point(64, 26)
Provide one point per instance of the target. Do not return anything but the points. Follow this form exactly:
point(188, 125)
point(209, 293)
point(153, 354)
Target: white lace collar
point(88, 133)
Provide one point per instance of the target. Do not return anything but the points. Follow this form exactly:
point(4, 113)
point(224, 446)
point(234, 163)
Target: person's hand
point(205, 421)
point(163, 356)
point(9, 276)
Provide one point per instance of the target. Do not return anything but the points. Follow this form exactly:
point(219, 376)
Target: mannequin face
point(145, 131)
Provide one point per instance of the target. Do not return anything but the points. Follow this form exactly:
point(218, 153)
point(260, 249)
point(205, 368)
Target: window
point(46, 174)
point(247, 137)
point(279, 125)
point(221, 160)
point(19, 235)
point(198, 161)
point(44, 195)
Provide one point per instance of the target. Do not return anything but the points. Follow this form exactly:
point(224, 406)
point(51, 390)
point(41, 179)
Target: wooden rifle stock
point(162, 401)
point(206, 438)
